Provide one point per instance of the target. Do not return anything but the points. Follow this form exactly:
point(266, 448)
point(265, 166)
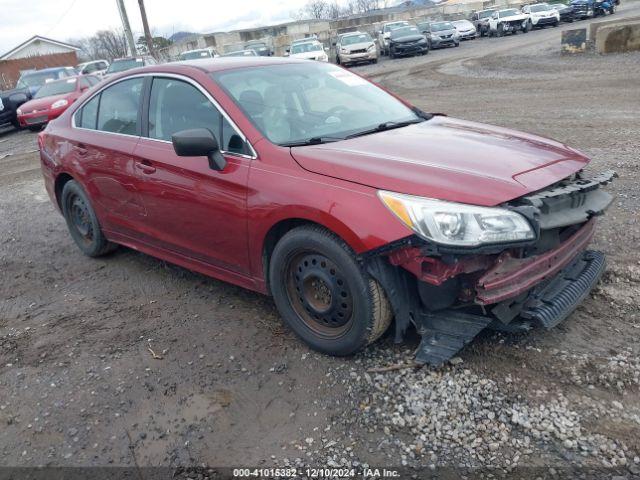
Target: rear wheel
point(82, 221)
point(323, 294)
point(500, 30)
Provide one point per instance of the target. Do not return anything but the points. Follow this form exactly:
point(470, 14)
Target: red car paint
point(39, 111)
point(219, 222)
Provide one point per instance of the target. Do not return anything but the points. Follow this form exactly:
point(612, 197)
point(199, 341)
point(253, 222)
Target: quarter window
point(119, 104)
point(87, 116)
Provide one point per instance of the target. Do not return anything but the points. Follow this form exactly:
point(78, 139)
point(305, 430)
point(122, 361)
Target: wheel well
point(275, 233)
point(61, 181)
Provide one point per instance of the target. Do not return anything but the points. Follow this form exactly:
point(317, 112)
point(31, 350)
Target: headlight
point(344, 50)
point(371, 47)
point(19, 112)
point(60, 103)
point(434, 36)
point(422, 40)
point(457, 224)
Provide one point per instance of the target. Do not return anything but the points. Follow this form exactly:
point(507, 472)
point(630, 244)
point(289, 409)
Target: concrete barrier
point(574, 41)
point(618, 38)
point(595, 26)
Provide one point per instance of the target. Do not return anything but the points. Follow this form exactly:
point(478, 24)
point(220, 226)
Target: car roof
point(50, 69)
point(210, 65)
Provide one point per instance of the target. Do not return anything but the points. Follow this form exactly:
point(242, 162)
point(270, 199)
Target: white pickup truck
point(509, 20)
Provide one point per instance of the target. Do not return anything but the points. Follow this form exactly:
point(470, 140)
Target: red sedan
point(52, 99)
point(348, 205)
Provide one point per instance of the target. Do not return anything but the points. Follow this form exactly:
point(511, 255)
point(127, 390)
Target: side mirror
point(199, 142)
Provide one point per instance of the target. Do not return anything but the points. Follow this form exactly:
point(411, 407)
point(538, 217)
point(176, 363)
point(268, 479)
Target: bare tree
point(104, 44)
point(316, 9)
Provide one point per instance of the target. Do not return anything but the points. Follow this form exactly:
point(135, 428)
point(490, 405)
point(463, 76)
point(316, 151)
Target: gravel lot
point(79, 385)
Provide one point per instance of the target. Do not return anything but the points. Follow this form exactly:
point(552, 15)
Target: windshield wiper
point(385, 126)
point(311, 141)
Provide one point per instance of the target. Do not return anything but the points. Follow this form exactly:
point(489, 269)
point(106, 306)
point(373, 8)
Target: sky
point(68, 19)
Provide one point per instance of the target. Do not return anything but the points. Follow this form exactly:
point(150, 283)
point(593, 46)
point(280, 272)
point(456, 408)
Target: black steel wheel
point(82, 221)
point(323, 294)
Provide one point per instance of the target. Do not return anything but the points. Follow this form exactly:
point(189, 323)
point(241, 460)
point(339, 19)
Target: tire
point(500, 30)
point(392, 54)
point(309, 269)
point(35, 128)
point(82, 221)
point(337, 60)
point(528, 27)
point(555, 24)
point(16, 124)
point(374, 61)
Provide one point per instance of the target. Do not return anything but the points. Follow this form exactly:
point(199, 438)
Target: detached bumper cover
point(513, 276)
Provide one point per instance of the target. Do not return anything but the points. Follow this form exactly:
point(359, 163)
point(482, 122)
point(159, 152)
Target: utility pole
point(145, 25)
point(127, 27)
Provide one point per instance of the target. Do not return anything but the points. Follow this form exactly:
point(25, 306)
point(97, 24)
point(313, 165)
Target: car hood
point(408, 38)
point(520, 16)
point(357, 46)
point(44, 103)
point(445, 32)
point(446, 159)
point(313, 54)
point(6, 94)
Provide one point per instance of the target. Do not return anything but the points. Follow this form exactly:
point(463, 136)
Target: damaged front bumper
point(451, 296)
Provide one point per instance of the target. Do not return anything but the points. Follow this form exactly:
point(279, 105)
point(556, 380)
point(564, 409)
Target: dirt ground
point(80, 386)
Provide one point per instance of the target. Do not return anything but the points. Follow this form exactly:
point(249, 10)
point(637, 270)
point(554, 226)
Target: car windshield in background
point(122, 65)
point(36, 79)
point(353, 39)
point(195, 55)
point(312, 102)
point(391, 26)
point(404, 32)
point(58, 87)
point(305, 47)
point(486, 14)
point(241, 53)
point(440, 26)
point(540, 8)
point(508, 13)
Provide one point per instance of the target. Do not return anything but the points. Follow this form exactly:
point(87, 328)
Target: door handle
point(145, 167)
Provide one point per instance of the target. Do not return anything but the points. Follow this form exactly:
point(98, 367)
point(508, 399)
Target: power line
point(73, 2)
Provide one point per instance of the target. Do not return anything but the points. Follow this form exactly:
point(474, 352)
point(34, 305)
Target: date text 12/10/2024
point(372, 473)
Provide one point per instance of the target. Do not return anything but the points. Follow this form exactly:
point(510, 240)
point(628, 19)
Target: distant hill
point(179, 36)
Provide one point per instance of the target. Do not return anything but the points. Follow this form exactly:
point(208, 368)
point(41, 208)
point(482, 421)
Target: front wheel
point(323, 294)
point(500, 31)
point(82, 221)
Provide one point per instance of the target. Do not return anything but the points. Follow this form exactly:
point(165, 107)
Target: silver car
point(440, 34)
point(465, 29)
point(356, 47)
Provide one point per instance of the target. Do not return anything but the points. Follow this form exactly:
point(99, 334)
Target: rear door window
point(119, 107)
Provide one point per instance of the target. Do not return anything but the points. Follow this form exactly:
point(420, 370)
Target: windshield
point(195, 55)
point(391, 26)
point(122, 65)
point(292, 103)
point(305, 47)
point(56, 88)
point(241, 53)
point(508, 13)
point(36, 79)
point(485, 14)
point(404, 32)
point(352, 39)
point(440, 26)
point(540, 8)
